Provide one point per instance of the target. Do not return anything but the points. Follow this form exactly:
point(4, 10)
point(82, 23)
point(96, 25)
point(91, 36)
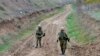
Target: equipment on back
point(39, 33)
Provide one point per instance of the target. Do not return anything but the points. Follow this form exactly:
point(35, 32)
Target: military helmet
point(39, 27)
point(62, 28)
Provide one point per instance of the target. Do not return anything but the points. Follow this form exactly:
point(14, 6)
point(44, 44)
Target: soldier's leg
point(40, 42)
point(61, 46)
point(64, 47)
point(64, 51)
point(36, 43)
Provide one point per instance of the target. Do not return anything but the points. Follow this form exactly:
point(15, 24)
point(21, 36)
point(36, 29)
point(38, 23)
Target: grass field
point(75, 31)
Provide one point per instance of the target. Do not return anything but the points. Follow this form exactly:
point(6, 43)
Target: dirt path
point(51, 27)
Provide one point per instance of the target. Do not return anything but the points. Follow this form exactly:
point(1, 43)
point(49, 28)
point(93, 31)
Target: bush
point(1, 8)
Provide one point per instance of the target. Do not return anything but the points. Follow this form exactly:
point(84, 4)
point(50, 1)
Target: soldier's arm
point(67, 37)
point(58, 36)
point(36, 32)
point(43, 34)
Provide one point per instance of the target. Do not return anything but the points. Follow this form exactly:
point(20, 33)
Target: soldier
point(39, 35)
point(63, 39)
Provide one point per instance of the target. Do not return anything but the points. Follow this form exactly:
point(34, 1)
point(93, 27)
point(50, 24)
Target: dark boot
point(63, 51)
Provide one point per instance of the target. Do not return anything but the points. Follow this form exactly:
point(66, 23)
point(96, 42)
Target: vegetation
point(1, 8)
point(7, 40)
point(92, 1)
point(75, 31)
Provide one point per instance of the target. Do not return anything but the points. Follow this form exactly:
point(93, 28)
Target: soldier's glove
point(57, 40)
point(68, 40)
point(43, 34)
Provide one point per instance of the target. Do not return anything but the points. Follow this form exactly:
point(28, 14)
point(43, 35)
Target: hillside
point(10, 9)
point(19, 18)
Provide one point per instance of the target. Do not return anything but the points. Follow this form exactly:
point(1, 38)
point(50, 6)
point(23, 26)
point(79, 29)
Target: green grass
point(75, 31)
point(11, 38)
point(4, 47)
point(7, 39)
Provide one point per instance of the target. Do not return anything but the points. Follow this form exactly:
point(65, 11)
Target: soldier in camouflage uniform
point(39, 35)
point(63, 39)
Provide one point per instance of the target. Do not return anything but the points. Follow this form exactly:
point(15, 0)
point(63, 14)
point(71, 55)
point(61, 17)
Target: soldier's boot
point(63, 51)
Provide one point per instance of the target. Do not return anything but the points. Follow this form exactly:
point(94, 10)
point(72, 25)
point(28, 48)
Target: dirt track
point(51, 27)
point(50, 47)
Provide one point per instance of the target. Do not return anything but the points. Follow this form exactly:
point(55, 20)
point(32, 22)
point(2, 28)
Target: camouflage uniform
point(63, 38)
point(39, 35)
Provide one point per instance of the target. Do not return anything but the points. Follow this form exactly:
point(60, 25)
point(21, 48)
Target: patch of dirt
point(88, 50)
